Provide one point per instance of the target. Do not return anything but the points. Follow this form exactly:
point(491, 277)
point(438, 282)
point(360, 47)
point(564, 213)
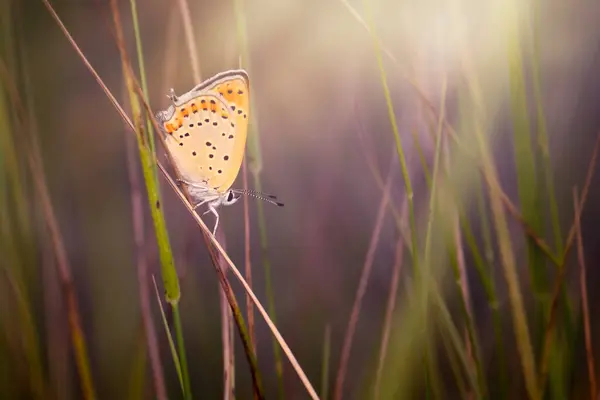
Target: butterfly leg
point(213, 210)
point(199, 204)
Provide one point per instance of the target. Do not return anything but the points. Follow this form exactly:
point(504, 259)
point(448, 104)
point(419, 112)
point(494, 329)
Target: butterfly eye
point(230, 196)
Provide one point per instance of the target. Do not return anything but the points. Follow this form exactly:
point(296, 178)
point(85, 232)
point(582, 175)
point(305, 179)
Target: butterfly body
point(205, 132)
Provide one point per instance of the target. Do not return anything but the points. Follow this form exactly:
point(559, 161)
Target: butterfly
point(205, 133)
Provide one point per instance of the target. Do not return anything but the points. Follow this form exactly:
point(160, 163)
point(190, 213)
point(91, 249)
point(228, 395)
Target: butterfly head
point(230, 198)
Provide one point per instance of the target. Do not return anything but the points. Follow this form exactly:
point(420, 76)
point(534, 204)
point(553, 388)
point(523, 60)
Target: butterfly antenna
point(255, 192)
point(269, 198)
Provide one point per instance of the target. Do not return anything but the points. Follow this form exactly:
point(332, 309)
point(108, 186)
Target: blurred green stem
point(182, 356)
point(255, 167)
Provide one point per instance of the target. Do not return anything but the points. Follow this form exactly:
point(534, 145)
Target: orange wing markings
point(235, 93)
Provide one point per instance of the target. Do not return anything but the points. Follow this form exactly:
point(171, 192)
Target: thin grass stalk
point(184, 11)
point(583, 197)
point(400, 218)
point(8, 362)
point(389, 314)
point(226, 317)
point(544, 180)
point(461, 274)
point(560, 277)
point(524, 154)
point(247, 260)
point(172, 346)
point(325, 363)
point(486, 275)
point(412, 82)
point(399, 148)
point(511, 208)
point(446, 322)
point(8, 35)
point(57, 352)
point(391, 115)
point(542, 130)
point(181, 351)
point(60, 368)
point(447, 126)
point(198, 220)
point(397, 216)
point(406, 176)
point(434, 186)
point(470, 331)
point(232, 353)
point(15, 376)
point(226, 335)
point(431, 365)
point(255, 168)
point(64, 271)
point(484, 220)
point(237, 315)
point(584, 304)
point(417, 142)
point(457, 261)
point(472, 348)
point(493, 303)
point(229, 351)
point(497, 204)
point(506, 252)
point(60, 364)
point(18, 220)
point(233, 303)
point(142, 272)
point(16, 238)
point(430, 358)
point(137, 382)
point(38, 387)
point(140, 56)
point(455, 339)
point(507, 203)
point(169, 273)
point(9, 59)
point(426, 266)
point(525, 162)
point(370, 158)
point(459, 379)
point(363, 282)
point(482, 211)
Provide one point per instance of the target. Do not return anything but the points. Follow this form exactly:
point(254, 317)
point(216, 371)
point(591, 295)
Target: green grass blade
point(398, 141)
point(509, 265)
point(169, 338)
point(169, 274)
point(542, 130)
point(181, 348)
point(140, 56)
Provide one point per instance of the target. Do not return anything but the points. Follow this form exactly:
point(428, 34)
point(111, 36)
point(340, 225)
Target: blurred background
point(519, 77)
